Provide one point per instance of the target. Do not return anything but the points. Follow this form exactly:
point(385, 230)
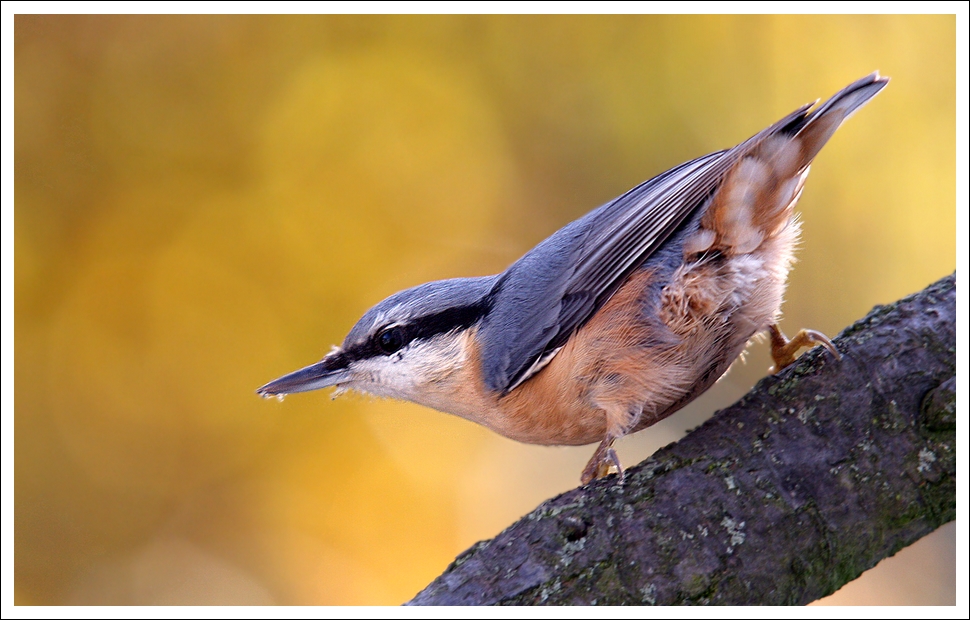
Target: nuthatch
point(617, 320)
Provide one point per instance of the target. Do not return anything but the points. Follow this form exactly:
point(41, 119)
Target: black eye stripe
point(390, 339)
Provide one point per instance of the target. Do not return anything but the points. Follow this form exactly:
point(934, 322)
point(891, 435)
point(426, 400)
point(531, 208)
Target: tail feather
point(755, 200)
point(820, 124)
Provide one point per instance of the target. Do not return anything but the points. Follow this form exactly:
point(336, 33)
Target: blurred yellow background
point(204, 203)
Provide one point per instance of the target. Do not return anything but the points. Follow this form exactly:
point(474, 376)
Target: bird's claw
point(783, 350)
point(603, 463)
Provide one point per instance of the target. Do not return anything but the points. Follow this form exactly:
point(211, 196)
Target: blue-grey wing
point(543, 298)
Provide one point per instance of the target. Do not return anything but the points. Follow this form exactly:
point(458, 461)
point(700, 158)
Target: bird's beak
point(331, 370)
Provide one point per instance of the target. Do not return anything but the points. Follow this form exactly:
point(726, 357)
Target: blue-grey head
point(405, 347)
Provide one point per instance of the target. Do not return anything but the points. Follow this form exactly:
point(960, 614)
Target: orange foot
point(603, 463)
point(783, 350)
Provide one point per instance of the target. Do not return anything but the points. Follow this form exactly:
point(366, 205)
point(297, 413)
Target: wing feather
point(545, 296)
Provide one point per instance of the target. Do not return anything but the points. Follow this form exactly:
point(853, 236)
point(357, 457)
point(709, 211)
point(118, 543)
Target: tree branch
point(810, 479)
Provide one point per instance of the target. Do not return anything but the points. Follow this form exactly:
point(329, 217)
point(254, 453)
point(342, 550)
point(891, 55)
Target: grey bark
point(810, 479)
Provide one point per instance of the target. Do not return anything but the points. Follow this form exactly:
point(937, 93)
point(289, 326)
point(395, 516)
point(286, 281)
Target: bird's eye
point(391, 339)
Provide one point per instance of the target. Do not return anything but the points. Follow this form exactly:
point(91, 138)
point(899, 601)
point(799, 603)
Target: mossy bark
point(813, 477)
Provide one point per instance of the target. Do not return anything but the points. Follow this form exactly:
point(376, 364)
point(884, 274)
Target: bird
point(617, 320)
